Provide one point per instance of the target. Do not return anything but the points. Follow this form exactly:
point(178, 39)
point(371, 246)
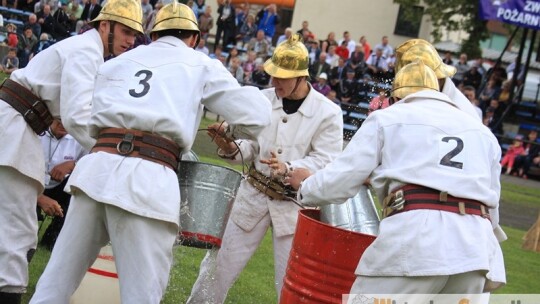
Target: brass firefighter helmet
point(175, 16)
point(127, 12)
point(289, 60)
point(415, 49)
point(414, 77)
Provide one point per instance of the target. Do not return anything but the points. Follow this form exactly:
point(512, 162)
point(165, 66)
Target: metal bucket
point(207, 193)
point(357, 214)
point(322, 261)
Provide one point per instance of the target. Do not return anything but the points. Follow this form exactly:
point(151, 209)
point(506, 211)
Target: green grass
point(255, 284)
point(520, 195)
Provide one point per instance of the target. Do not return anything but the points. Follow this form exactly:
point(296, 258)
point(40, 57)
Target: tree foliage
point(454, 15)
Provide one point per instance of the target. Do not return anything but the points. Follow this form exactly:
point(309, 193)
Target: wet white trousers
point(463, 283)
point(142, 250)
point(18, 227)
point(219, 269)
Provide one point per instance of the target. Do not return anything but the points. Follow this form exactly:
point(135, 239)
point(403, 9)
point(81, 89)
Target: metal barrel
point(357, 214)
point(322, 261)
point(207, 193)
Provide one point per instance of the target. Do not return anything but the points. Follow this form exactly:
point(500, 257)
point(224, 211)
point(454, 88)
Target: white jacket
point(159, 88)
point(63, 76)
point(309, 138)
point(425, 140)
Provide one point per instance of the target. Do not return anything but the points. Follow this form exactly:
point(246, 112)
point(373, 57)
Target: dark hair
point(180, 34)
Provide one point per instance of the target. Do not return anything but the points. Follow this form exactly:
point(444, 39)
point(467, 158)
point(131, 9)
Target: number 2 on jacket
point(447, 159)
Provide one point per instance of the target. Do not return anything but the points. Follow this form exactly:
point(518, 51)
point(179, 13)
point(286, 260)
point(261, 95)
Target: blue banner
point(525, 13)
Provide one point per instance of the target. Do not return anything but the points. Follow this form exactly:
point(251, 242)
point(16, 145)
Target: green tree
point(454, 15)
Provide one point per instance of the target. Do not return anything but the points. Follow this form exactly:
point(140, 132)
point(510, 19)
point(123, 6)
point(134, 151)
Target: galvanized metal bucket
point(207, 193)
point(357, 214)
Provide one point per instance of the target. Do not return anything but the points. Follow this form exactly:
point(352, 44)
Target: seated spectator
point(348, 87)
point(27, 46)
point(342, 50)
point(377, 65)
point(448, 58)
point(247, 31)
point(218, 54)
point(331, 57)
point(44, 43)
point(491, 91)
point(332, 95)
point(462, 67)
point(206, 22)
point(321, 85)
point(329, 42)
point(288, 32)
point(249, 64)
point(236, 70)
point(33, 23)
point(10, 62)
point(12, 37)
point(530, 156)
point(201, 47)
point(513, 151)
point(380, 101)
point(74, 11)
point(491, 122)
point(472, 77)
point(470, 93)
point(259, 77)
point(337, 74)
point(260, 45)
point(318, 67)
point(233, 53)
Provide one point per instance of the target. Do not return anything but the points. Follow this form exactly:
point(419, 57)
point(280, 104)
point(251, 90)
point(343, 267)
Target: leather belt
point(414, 197)
point(135, 143)
point(271, 187)
point(32, 108)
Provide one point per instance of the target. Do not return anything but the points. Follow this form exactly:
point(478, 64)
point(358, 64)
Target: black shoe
point(10, 298)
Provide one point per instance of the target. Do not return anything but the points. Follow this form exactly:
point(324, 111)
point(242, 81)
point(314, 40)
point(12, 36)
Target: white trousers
point(142, 249)
point(463, 283)
point(18, 227)
point(220, 269)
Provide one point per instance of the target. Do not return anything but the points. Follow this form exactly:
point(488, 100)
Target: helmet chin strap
point(298, 80)
point(110, 38)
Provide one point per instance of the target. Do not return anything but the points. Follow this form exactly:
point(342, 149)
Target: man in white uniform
point(306, 131)
point(61, 78)
point(146, 110)
point(436, 171)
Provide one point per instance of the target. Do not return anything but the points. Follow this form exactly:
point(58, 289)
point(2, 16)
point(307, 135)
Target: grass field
point(255, 284)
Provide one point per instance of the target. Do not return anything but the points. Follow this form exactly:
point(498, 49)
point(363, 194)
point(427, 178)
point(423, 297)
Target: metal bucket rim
point(307, 217)
point(213, 165)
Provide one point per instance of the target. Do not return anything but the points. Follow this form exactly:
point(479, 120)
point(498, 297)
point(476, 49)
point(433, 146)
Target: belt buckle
point(399, 201)
point(126, 146)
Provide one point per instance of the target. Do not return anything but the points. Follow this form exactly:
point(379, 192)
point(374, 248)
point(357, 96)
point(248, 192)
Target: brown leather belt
point(271, 187)
point(414, 197)
point(31, 107)
point(135, 143)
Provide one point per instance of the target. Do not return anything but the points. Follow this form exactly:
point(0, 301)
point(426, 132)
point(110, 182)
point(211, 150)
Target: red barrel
point(322, 261)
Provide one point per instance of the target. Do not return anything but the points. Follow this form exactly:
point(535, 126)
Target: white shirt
point(422, 139)
point(164, 95)
point(63, 76)
point(58, 151)
point(309, 138)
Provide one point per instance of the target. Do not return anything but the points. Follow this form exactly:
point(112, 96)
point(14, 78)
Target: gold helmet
point(414, 77)
point(415, 49)
point(289, 60)
point(175, 16)
point(127, 12)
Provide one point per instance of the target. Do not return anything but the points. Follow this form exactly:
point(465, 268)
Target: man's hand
point(217, 132)
point(297, 176)
point(278, 168)
point(59, 172)
point(50, 206)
